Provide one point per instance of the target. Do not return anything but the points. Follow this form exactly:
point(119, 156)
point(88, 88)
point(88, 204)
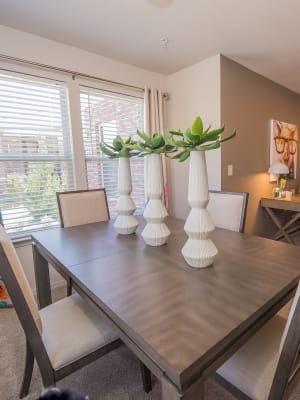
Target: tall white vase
point(199, 251)
point(156, 232)
point(125, 223)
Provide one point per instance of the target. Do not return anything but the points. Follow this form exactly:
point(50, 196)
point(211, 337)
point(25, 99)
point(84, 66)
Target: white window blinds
point(105, 115)
point(35, 151)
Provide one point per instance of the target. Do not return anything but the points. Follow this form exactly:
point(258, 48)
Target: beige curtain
point(155, 123)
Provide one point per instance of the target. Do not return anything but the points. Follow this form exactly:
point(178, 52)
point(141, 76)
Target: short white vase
point(198, 251)
point(125, 223)
point(156, 232)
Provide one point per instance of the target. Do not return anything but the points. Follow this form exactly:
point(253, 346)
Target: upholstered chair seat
point(252, 368)
point(82, 329)
point(266, 366)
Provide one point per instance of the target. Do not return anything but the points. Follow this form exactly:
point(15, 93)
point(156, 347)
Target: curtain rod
point(73, 73)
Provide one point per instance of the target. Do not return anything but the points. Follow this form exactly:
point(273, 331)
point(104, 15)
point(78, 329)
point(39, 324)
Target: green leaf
point(143, 154)
point(197, 127)
point(169, 140)
point(184, 156)
point(117, 143)
point(130, 146)
point(159, 150)
point(181, 143)
point(170, 148)
point(188, 135)
point(228, 137)
point(124, 152)
point(107, 151)
point(213, 135)
point(178, 133)
point(217, 131)
point(207, 129)
point(157, 141)
point(143, 136)
point(211, 146)
point(109, 146)
point(178, 155)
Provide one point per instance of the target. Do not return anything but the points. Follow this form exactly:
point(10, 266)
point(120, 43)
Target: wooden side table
point(270, 204)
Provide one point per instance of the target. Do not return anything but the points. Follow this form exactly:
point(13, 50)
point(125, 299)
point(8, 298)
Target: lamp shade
point(279, 168)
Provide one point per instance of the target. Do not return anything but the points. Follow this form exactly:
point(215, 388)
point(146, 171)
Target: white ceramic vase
point(125, 222)
point(156, 232)
point(198, 251)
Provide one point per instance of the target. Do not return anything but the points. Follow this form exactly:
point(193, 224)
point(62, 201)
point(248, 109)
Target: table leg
point(279, 226)
point(170, 392)
point(42, 278)
point(290, 224)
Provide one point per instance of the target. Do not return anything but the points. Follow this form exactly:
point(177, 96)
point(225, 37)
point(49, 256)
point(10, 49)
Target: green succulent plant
point(158, 143)
point(197, 139)
point(119, 148)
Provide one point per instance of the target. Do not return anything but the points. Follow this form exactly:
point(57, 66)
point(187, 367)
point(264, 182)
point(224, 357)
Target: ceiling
point(263, 35)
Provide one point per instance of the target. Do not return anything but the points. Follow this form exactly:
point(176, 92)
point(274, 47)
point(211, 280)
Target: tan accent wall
point(193, 91)
point(248, 103)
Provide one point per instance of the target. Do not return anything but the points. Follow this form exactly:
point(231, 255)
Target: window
point(105, 115)
point(35, 151)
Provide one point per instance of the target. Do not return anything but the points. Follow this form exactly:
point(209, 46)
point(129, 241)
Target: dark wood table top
point(182, 318)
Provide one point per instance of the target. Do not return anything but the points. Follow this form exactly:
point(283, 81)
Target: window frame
point(73, 84)
point(53, 78)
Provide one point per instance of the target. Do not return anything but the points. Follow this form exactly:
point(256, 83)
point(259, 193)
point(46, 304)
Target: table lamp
point(278, 169)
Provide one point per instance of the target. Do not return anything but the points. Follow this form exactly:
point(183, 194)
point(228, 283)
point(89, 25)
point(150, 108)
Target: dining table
point(183, 323)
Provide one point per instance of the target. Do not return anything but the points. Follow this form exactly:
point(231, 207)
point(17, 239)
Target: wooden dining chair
point(85, 207)
point(81, 207)
point(228, 209)
point(63, 336)
point(266, 366)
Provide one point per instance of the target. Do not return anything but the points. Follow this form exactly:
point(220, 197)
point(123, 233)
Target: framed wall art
point(283, 145)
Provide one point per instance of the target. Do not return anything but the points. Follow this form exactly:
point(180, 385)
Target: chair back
point(23, 300)
point(15, 279)
point(82, 207)
point(288, 357)
point(228, 209)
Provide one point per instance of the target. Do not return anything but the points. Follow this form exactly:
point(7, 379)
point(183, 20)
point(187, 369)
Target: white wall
point(193, 91)
point(34, 48)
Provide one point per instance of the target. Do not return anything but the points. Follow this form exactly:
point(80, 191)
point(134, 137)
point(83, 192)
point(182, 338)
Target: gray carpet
point(115, 376)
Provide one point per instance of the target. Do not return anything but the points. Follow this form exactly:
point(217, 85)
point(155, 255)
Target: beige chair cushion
point(17, 268)
point(81, 208)
point(251, 369)
point(226, 210)
point(80, 328)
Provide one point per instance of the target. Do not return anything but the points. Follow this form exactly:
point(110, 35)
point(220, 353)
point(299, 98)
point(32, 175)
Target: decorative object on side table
point(199, 251)
point(125, 223)
point(278, 169)
point(156, 232)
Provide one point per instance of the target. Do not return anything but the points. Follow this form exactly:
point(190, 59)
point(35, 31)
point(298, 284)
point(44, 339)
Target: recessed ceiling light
point(164, 41)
